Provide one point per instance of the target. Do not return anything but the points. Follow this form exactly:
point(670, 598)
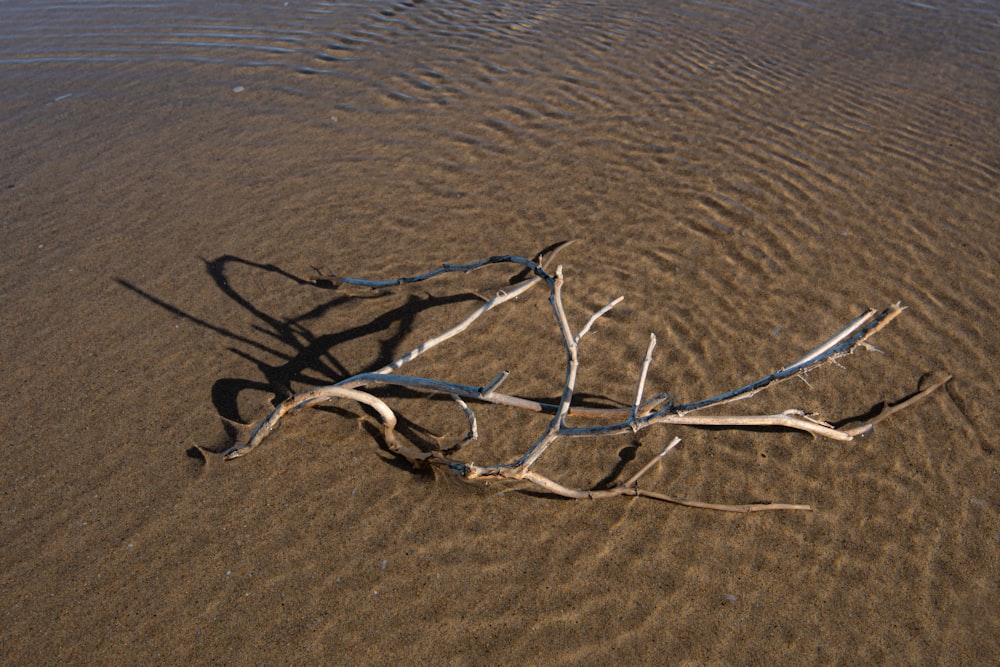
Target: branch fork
point(640, 414)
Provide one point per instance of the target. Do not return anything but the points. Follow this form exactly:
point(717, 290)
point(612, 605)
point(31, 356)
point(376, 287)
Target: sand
point(749, 175)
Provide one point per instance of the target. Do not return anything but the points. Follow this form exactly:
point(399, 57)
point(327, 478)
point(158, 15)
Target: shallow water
point(750, 175)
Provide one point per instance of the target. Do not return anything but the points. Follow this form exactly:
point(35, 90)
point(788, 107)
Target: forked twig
point(639, 415)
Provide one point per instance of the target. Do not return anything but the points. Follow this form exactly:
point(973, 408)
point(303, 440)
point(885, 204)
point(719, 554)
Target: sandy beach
point(750, 176)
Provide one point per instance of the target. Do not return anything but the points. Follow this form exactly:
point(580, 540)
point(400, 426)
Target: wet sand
point(750, 176)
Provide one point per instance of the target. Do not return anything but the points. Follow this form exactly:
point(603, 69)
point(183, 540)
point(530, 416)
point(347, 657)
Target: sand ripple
point(750, 174)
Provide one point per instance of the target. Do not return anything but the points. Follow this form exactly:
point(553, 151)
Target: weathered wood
point(641, 414)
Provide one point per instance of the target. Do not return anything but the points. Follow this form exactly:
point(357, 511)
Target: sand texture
point(750, 175)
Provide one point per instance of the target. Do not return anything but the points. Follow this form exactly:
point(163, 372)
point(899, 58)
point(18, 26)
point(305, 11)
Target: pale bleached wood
point(641, 414)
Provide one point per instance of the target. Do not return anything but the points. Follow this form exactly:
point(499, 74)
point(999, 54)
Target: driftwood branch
point(640, 414)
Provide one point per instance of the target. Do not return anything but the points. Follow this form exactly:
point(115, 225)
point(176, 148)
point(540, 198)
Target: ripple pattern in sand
point(749, 174)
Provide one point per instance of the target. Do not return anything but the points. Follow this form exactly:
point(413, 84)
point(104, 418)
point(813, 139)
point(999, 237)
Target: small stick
point(580, 494)
point(837, 338)
point(596, 316)
point(473, 426)
point(500, 298)
point(889, 410)
point(493, 384)
point(634, 479)
point(640, 388)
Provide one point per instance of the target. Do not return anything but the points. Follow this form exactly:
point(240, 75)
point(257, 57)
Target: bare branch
point(612, 421)
point(596, 316)
point(634, 479)
point(501, 298)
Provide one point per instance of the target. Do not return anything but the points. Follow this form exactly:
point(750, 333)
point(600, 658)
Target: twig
point(473, 433)
point(640, 387)
point(634, 479)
